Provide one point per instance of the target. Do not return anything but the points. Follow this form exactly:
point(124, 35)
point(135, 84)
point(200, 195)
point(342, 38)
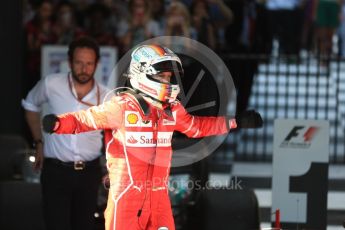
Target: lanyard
point(80, 100)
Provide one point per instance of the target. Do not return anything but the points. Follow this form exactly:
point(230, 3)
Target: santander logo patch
point(132, 140)
point(145, 139)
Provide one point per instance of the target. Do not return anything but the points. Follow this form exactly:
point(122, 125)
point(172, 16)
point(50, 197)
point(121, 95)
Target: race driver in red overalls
point(138, 152)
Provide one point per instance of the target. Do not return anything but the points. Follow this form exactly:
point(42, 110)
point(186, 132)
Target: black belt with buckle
point(77, 165)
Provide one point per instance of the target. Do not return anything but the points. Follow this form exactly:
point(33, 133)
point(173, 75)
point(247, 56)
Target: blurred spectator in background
point(158, 13)
point(65, 26)
point(118, 11)
point(202, 27)
point(138, 27)
point(285, 22)
point(28, 11)
point(341, 31)
point(240, 34)
point(178, 23)
point(260, 31)
point(327, 16)
point(80, 10)
point(220, 12)
point(38, 32)
point(177, 20)
point(242, 37)
point(221, 16)
point(307, 39)
point(96, 24)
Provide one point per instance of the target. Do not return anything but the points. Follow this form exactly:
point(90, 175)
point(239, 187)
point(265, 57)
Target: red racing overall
point(139, 156)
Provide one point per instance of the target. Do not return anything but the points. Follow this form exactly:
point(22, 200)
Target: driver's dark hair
point(83, 42)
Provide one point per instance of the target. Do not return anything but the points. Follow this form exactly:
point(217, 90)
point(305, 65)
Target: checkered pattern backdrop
point(302, 89)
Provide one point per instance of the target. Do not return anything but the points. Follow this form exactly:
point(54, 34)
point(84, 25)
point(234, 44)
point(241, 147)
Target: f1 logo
point(293, 133)
point(298, 141)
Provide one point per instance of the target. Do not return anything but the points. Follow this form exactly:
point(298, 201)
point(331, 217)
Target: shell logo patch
point(132, 118)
